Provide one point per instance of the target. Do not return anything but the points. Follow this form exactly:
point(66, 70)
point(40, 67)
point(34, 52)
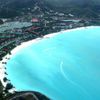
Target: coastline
point(24, 45)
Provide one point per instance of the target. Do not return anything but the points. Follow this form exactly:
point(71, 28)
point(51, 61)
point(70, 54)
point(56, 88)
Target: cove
point(65, 66)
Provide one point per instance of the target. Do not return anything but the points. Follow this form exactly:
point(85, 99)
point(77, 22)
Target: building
point(1, 21)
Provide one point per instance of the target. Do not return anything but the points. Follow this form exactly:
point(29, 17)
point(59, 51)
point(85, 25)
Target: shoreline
point(24, 45)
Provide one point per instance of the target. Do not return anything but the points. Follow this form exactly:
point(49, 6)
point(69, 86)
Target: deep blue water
point(63, 67)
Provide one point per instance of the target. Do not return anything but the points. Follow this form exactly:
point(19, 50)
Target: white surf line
point(25, 44)
point(68, 79)
point(68, 30)
point(3, 71)
point(8, 56)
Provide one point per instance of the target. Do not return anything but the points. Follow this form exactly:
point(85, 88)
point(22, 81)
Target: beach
point(24, 45)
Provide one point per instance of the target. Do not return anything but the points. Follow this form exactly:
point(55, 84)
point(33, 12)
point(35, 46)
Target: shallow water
point(63, 67)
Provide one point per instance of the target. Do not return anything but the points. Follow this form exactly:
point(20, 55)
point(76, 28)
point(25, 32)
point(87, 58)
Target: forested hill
point(60, 3)
point(87, 8)
point(12, 8)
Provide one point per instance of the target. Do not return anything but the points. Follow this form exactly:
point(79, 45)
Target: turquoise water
point(63, 67)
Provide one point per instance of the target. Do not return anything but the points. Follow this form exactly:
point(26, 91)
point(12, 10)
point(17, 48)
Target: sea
point(65, 66)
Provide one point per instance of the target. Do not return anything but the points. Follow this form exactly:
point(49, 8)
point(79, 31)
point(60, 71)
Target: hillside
point(80, 8)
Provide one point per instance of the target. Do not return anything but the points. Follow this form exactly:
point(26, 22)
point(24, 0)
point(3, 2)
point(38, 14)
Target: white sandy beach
point(24, 45)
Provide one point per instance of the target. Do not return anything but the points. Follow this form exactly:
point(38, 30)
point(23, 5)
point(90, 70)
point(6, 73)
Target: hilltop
point(80, 8)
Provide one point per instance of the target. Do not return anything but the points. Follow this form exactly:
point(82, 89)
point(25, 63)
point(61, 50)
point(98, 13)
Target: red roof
point(35, 20)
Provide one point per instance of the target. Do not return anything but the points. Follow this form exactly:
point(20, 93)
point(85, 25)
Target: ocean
point(65, 66)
